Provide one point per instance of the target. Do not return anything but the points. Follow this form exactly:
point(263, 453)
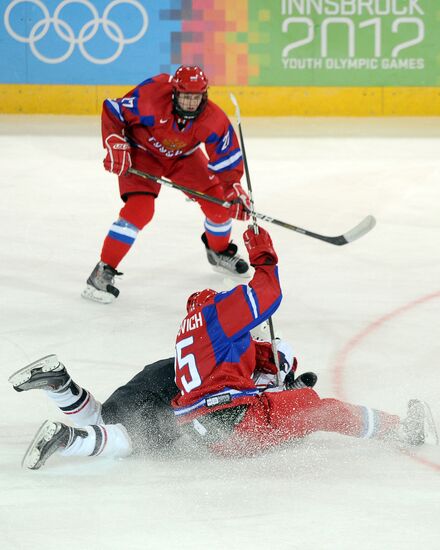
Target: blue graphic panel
point(85, 41)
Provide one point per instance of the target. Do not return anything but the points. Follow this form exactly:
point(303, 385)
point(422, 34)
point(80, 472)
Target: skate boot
point(101, 284)
point(227, 261)
point(50, 437)
point(418, 427)
point(46, 373)
point(304, 380)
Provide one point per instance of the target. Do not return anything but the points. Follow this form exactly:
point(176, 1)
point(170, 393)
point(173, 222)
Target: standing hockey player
point(158, 128)
point(219, 402)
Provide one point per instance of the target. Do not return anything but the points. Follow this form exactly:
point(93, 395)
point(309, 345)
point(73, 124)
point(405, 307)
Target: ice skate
point(46, 373)
point(304, 380)
point(101, 284)
point(50, 437)
point(418, 427)
point(228, 261)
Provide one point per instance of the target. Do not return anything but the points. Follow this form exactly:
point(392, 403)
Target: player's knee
point(215, 213)
point(138, 210)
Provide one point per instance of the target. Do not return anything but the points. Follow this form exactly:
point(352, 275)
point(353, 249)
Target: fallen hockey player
point(224, 396)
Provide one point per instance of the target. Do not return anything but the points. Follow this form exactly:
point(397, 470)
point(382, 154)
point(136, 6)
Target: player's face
point(189, 102)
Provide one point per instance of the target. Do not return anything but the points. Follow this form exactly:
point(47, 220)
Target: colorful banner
point(347, 42)
point(238, 42)
point(85, 41)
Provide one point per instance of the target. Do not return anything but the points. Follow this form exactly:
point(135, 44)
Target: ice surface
point(365, 317)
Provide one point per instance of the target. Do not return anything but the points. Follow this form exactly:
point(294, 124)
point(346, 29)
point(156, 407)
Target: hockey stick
point(353, 234)
point(255, 228)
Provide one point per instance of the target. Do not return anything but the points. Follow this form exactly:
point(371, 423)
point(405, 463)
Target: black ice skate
point(50, 437)
point(101, 284)
point(304, 380)
point(227, 261)
point(46, 373)
point(418, 427)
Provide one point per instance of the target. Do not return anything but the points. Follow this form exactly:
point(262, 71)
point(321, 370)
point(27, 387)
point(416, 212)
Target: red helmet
point(190, 79)
point(197, 299)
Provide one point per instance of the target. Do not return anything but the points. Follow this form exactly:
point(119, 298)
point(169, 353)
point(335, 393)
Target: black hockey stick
point(256, 230)
point(353, 234)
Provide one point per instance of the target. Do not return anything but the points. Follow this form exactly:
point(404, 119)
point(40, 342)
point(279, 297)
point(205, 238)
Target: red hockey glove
point(265, 361)
point(118, 159)
point(260, 247)
point(241, 202)
point(264, 358)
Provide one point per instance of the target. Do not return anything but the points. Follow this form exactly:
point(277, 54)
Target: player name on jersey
point(191, 323)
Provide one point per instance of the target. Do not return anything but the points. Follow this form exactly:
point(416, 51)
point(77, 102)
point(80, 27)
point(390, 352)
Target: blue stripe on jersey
point(225, 142)
point(221, 344)
point(212, 138)
point(234, 394)
point(148, 81)
point(227, 162)
point(147, 120)
point(114, 108)
point(253, 303)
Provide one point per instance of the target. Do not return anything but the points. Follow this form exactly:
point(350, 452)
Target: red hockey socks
point(136, 213)
point(218, 234)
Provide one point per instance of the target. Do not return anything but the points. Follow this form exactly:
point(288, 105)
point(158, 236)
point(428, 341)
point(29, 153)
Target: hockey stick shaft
point(358, 231)
point(255, 227)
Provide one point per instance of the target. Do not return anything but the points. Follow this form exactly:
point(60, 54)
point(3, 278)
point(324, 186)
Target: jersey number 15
point(189, 360)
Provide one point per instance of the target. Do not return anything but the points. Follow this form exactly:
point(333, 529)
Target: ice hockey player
point(219, 403)
point(137, 418)
point(225, 397)
point(158, 128)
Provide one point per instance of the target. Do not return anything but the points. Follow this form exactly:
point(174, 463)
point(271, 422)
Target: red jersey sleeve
point(135, 108)
point(222, 147)
point(246, 306)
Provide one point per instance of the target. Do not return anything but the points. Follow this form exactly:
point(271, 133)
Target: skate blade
point(100, 296)
point(431, 433)
point(46, 364)
point(32, 456)
point(225, 271)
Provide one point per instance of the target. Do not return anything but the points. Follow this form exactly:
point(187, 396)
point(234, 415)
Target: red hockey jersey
point(215, 353)
point(145, 118)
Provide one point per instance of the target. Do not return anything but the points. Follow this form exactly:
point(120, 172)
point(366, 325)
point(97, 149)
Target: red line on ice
point(340, 363)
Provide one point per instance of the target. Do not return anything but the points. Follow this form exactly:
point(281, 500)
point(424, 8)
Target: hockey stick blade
point(431, 433)
point(358, 231)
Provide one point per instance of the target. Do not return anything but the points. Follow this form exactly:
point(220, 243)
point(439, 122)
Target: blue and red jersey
point(215, 353)
point(145, 118)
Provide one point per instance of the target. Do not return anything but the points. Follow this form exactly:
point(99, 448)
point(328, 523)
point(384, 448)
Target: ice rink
point(364, 317)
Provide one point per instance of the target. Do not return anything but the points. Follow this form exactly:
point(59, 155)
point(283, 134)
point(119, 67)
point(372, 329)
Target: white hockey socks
point(78, 404)
point(111, 440)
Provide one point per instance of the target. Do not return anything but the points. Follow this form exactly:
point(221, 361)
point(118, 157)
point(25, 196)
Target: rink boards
point(254, 100)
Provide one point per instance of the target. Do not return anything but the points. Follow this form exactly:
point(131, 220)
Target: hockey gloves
point(265, 368)
point(260, 247)
point(118, 159)
point(241, 203)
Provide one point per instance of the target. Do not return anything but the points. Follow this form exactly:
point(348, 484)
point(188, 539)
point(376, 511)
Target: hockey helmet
point(199, 298)
point(189, 79)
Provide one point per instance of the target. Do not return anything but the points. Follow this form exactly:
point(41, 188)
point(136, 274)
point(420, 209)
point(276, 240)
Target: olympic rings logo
point(87, 32)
